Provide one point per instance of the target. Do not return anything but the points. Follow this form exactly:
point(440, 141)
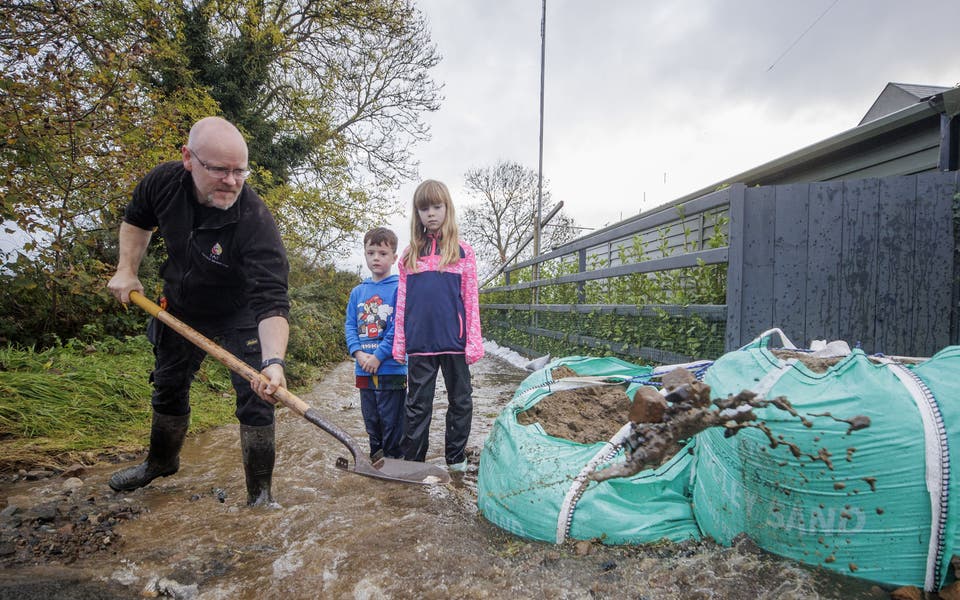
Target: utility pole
point(537, 217)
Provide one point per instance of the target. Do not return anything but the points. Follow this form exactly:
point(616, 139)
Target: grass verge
point(82, 403)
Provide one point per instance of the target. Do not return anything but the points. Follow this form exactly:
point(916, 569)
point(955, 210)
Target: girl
point(437, 324)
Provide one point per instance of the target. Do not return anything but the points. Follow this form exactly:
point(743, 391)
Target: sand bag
point(534, 485)
point(878, 503)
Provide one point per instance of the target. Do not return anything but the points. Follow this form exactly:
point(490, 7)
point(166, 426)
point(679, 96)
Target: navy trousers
point(382, 412)
point(176, 361)
point(421, 384)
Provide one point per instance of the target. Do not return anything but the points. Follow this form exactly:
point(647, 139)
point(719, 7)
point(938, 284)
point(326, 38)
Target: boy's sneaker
point(460, 467)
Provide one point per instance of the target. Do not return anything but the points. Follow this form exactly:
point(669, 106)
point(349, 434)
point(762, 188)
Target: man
point(226, 276)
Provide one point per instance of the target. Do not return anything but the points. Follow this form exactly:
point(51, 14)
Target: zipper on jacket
point(189, 267)
point(191, 251)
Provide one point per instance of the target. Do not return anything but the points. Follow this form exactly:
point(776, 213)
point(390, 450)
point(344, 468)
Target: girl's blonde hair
point(430, 192)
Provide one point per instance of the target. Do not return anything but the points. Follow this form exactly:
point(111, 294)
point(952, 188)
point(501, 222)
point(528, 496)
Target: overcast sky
point(648, 101)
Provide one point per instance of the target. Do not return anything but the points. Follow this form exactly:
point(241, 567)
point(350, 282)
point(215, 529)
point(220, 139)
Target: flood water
point(339, 535)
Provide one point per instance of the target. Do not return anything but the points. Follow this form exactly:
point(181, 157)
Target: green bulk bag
point(883, 512)
point(939, 375)
point(526, 476)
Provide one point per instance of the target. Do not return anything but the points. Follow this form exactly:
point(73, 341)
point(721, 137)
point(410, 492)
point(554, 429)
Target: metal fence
point(870, 261)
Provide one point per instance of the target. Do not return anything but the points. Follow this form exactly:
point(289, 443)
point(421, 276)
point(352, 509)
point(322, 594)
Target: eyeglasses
point(220, 172)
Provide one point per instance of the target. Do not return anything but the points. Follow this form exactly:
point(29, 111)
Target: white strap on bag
point(784, 340)
point(580, 482)
point(937, 462)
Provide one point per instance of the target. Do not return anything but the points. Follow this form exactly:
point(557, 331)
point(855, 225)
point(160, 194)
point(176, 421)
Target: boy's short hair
point(379, 236)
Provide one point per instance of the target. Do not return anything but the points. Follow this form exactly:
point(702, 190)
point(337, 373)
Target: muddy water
point(339, 535)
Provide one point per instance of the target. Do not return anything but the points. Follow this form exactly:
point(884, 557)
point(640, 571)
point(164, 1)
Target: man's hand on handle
point(122, 283)
point(277, 379)
point(274, 333)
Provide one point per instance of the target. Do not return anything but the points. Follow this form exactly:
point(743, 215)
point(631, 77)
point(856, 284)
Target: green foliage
point(330, 95)
point(613, 334)
point(316, 320)
point(74, 136)
point(325, 218)
point(318, 299)
point(75, 400)
point(38, 309)
point(564, 293)
point(94, 94)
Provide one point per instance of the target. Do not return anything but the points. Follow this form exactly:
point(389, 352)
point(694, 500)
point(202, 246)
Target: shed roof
point(897, 96)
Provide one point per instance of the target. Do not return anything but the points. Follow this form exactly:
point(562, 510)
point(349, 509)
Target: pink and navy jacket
point(438, 311)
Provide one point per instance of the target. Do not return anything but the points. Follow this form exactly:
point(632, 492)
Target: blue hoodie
point(369, 324)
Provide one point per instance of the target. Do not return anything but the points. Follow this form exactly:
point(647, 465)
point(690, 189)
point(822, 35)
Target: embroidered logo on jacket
point(215, 255)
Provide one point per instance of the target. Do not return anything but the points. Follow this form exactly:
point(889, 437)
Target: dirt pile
point(585, 415)
point(661, 422)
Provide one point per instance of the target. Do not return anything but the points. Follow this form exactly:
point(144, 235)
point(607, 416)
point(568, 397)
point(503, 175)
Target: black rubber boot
point(259, 455)
point(166, 439)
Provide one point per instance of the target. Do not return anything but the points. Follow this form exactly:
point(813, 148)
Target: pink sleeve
point(471, 304)
point(399, 335)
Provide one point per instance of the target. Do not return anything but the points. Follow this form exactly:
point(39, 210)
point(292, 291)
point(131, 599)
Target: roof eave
point(850, 137)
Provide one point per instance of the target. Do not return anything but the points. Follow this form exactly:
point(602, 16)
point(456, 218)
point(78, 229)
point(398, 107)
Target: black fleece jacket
point(222, 265)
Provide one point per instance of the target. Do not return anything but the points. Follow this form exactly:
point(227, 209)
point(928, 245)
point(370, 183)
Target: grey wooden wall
point(869, 261)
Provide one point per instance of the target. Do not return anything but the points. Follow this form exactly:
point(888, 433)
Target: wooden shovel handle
point(233, 363)
point(389, 469)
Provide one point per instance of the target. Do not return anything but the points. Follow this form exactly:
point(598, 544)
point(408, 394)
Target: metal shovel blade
point(389, 469)
point(394, 469)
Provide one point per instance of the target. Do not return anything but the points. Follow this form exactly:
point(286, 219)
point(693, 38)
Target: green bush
point(620, 335)
point(48, 298)
point(316, 321)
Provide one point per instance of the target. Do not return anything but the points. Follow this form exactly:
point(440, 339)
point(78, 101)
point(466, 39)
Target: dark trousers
point(421, 385)
point(176, 361)
point(383, 419)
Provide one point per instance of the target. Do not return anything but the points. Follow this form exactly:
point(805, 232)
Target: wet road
point(339, 535)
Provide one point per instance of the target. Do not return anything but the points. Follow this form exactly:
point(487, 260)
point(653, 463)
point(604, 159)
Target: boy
point(382, 381)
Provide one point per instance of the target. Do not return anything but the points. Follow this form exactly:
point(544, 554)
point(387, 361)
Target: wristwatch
point(273, 361)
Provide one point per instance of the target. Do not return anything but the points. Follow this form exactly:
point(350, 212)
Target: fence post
point(955, 303)
point(735, 241)
point(581, 267)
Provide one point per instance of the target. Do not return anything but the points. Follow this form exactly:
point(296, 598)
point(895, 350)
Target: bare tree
point(502, 217)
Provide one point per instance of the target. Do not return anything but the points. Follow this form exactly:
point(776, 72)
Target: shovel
point(390, 469)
